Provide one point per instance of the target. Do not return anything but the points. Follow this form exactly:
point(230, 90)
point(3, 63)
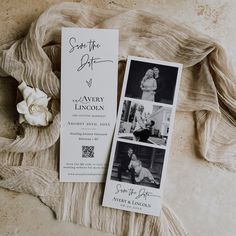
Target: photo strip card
point(142, 137)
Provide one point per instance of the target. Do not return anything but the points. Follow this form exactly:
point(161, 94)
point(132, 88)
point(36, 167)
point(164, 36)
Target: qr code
point(88, 151)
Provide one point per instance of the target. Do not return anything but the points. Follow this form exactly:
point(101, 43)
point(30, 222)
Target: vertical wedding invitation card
point(142, 136)
point(89, 67)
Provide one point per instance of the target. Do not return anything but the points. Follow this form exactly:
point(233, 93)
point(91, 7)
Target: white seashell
point(33, 109)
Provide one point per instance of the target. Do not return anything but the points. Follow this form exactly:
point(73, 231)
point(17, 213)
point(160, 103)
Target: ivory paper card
point(142, 136)
point(89, 62)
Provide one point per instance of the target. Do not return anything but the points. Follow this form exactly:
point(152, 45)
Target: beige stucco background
point(203, 196)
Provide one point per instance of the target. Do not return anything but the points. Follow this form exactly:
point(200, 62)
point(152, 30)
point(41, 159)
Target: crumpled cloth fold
point(29, 163)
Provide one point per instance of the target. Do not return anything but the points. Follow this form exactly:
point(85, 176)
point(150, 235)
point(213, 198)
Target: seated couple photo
point(138, 173)
point(134, 166)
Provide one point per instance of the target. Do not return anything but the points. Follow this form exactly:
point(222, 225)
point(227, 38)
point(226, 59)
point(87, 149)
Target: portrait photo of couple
point(138, 164)
point(151, 82)
point(145, 122)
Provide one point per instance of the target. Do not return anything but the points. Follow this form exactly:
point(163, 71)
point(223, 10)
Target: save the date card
point(89, 62)
point(142, 136)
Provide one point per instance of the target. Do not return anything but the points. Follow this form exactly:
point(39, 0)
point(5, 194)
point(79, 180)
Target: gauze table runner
point(29, 163)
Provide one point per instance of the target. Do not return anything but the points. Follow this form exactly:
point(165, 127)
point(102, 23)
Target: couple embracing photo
point(151, 85)
point(151, 82)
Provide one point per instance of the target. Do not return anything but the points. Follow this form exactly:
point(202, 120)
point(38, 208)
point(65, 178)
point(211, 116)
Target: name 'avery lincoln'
point(85, 103)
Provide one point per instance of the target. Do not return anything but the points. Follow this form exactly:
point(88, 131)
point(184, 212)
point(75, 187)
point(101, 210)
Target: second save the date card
point(142, 136)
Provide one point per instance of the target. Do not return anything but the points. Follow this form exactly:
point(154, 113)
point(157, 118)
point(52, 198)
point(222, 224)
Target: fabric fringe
point(44, 184)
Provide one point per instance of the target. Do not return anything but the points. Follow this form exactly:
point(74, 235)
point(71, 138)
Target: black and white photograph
point(151, 82)
point(137, 164)
point(145, 122)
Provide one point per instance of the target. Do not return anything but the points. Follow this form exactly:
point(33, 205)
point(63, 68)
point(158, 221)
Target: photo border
point(109, 182)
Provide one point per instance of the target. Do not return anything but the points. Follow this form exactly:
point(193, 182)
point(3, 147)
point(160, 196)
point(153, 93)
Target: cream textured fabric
point(29, 163)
